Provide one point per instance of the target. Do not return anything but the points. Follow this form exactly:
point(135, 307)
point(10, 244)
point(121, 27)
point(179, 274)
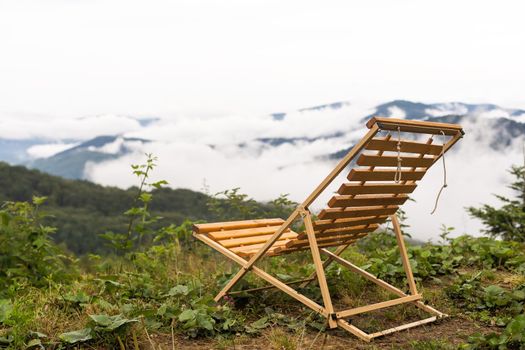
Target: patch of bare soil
point(452, 331)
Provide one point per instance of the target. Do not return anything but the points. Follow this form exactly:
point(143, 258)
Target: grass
point(61, 308)
point(161, 297)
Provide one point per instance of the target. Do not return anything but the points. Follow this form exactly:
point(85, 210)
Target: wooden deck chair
point(386, 170)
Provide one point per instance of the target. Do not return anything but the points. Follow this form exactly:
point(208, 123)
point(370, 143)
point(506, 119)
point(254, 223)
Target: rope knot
point(397, 175)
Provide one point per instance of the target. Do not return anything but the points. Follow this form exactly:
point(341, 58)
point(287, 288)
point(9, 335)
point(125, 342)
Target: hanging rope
point(397, 176)
point(444, 174)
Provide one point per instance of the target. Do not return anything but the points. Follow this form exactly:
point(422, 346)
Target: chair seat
point(246, 237)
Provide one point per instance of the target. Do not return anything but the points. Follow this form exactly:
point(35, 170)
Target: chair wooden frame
point(337, 318)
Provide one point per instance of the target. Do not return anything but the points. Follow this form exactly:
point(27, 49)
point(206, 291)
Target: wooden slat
point(247, 232)
point(376, 188)
point(339, 213)
point(375, 160)
point(366, 200)
point(381, 144)
point(244, 241)
point(251, 249)
point(346, 231)
point(343, 242)
point(384, 175)
point(331, 240)
point(418, 126)
point(340, 231)
point(234, 225)
point(329, 224)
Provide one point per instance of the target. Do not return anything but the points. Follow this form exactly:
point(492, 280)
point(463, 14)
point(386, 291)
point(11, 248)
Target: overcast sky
point(73, 58)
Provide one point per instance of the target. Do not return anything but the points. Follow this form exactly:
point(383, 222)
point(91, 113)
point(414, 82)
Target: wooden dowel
point(268, 287)
point(377, 306)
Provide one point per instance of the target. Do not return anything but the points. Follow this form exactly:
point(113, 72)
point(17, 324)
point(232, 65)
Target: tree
point(508, 221)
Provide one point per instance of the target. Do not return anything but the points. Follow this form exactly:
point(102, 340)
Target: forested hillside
point(81, 210)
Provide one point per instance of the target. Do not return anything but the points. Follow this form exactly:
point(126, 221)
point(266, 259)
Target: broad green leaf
point(34, 334)
point(101, 320)
point(229, 323)
point(179, 290)
point(284, 277)
point(159, 184)
point(516, 328)
point(205, 321)
point(260, 323)
point(6, 339)
point(493, 290)
point(34, 342)
point(146, 197)
point(39, 200)
point(187, 315)
point(519, 294)
point(80, 298)
point(110, 323)
point(78, 336)
point(6, 309)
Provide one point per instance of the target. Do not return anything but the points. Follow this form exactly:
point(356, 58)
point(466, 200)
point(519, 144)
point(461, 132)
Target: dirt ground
point(451, 331)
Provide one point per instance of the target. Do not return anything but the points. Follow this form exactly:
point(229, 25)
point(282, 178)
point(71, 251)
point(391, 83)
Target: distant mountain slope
point(416, 110)
point(15, 151)
point(71, 163)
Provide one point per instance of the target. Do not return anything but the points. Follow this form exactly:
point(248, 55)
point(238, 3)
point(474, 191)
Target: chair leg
point(404, 255)
point(319, 269)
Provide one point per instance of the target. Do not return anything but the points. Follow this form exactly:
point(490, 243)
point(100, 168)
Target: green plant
point(139, 217)
point(513, 337)
point(232, 204)
point(508, 221)
point(27, 254)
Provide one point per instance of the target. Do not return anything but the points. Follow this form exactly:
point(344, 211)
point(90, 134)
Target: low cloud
point(48, 149)
point(15, 128)
point(224, 154)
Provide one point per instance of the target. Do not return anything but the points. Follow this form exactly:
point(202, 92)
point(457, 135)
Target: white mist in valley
point(228, 152)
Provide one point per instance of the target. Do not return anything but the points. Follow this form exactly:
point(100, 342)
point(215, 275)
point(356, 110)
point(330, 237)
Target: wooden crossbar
point(403, 327)
point(377, 306)
point(415, 126)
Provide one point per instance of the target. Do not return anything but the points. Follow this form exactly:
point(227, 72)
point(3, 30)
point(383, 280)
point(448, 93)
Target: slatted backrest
point(376, 186)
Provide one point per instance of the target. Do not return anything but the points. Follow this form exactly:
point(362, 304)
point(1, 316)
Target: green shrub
point(27, 254)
